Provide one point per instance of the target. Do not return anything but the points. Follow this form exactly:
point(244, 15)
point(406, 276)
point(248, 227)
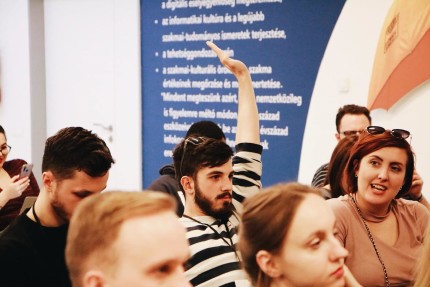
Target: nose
point(382, 174)
point(227, 184)
point(337, 251)
point(179, 280)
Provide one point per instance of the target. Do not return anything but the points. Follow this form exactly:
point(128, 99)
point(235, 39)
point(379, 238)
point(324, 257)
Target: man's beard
point(206, 205)
point(59, 209)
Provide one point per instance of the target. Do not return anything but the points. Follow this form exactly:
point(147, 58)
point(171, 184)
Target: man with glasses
point(350, 120)
point(215, 185)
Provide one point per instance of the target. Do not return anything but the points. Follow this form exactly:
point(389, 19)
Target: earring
point(355, 175)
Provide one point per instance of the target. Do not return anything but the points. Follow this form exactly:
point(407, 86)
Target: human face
point(380, 176)
point(213, 190)
point(67, 193)
point(3, 144)
point(351, 122)
point(152, 251)
point(311, 255)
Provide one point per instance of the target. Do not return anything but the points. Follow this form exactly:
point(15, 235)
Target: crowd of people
point(207, 221)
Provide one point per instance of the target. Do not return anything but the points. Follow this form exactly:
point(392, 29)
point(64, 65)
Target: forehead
point(80, 181)
point(226, 168)
point(151, 240)
point(354, 122)
point(2, 139)
point(390, 154)
point(313, 215)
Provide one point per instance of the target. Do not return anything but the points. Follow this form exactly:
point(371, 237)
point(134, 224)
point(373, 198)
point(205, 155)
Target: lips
point(224, 195)
point(378, 187)
point(338, 273)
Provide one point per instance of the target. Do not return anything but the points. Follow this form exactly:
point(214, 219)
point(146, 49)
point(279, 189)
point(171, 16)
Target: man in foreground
point(127, 239)
point(75, 165)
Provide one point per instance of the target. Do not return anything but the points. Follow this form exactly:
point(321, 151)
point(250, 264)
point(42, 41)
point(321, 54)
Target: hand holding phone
point(26, 170)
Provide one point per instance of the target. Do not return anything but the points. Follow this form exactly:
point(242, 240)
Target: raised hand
point(235, 66)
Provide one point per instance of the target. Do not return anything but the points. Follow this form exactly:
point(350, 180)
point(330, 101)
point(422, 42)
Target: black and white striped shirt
point(214, 260)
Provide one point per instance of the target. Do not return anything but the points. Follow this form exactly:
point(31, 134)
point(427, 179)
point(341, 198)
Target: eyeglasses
point(352, 133)
point(191, 140)
point(398, 133)
point(5, 149)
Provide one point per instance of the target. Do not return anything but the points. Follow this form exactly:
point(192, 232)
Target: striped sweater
point(214, 260)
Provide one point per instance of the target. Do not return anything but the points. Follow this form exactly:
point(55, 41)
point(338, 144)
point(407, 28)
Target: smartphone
point(26, 170)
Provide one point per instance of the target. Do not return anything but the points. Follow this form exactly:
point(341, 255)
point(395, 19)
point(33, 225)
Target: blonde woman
point(287, 238)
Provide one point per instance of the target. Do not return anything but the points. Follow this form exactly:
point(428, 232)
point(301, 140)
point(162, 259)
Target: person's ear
point(355, 164)
point(94, 278)
point(268, 263)
point(187, 185)
point(48, 181)
point(337, 135)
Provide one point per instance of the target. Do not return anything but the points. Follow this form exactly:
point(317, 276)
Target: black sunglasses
point(398, 133)
point(191, 140)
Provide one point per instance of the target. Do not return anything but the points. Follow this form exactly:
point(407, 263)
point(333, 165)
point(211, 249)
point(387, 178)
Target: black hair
point(75, 148)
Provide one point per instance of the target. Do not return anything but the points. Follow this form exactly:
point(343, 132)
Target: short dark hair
point(351, 109)
point(207, 152)
point(337, 164)
point(2, 131)
point(368, 143)
point(75, 148)
point(207, 129)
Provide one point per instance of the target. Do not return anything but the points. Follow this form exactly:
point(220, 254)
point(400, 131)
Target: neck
point(191, 209)
point(280, 282)
point(373, 213)
point(45, 212)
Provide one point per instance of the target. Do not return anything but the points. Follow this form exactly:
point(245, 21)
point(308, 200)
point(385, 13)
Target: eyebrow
point(381, 159)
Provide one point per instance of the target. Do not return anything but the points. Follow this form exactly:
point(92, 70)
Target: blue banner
point(281, 42)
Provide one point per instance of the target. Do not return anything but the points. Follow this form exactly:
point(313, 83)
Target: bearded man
point(215, 183)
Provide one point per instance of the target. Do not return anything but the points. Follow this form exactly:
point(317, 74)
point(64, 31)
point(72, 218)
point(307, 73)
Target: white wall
point(92, 58)
point(93, 75)
point(15, 77)
point(344, 78)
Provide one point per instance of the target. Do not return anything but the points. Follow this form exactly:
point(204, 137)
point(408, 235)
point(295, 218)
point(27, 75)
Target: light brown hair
point(95, 225)
point(266, 220)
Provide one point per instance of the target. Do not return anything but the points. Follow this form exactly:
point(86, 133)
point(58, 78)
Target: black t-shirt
point(33, 255)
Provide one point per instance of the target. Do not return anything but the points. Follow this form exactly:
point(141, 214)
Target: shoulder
point(322, 169)
point(14, 239)
point(14, 164)
point(167, 169)
point(166, 183)
point(320, 175)
point(340, 202)
point(341, 206)
point(413, 208)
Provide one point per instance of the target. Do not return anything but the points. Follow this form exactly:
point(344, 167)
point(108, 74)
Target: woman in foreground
point(287, 238)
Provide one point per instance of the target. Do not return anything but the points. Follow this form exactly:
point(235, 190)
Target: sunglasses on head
point(191, 140)
point(398, 133)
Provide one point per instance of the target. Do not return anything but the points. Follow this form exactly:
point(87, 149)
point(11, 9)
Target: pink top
point(400, 259)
